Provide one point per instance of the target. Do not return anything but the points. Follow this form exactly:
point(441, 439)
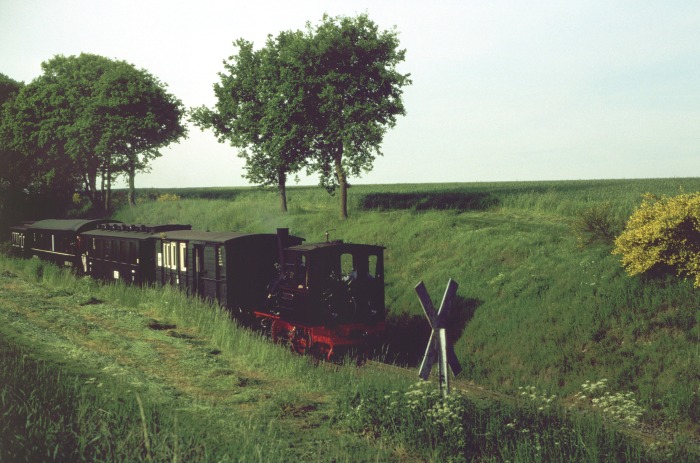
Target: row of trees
point(86, 120)
point(318, 100)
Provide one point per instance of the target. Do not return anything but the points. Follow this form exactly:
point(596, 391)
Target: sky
point(502, 90)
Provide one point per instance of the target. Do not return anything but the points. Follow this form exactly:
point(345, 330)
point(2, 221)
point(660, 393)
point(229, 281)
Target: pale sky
point(502, 90)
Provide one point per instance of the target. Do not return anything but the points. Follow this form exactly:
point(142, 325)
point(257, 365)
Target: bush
point(663, 234)
point(595, 225)
point(165, 197)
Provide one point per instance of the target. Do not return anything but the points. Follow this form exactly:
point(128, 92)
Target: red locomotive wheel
point(299, 341)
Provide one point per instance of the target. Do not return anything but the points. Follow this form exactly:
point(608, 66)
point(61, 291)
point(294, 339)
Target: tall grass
point(69, 413)
point(458, 428)
point(121, 411)
point(533, 308)
point(52, 414)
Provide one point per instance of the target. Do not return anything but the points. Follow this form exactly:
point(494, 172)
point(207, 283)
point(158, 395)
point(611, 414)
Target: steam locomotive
point(326, 298)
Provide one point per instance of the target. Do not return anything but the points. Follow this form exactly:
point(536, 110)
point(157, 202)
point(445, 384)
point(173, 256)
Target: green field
point(542, 309)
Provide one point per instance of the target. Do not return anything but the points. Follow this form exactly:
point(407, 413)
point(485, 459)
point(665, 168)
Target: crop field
point(584, 362)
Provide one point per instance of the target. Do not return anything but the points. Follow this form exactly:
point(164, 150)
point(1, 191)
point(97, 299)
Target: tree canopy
point(88, 117)
point(352, 72)
point(14, 175)
point(320, 100)
point(260, 110)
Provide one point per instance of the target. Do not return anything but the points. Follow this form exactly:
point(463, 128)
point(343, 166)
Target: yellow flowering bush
point(663, 234)
point(165, 197)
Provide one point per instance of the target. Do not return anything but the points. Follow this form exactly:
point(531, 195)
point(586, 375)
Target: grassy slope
point(534, 308)
point(211, 391)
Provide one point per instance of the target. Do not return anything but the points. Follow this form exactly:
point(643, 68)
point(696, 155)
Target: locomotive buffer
point(438, 349)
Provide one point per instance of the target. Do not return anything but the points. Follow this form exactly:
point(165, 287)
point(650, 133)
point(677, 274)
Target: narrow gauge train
point(326, 298)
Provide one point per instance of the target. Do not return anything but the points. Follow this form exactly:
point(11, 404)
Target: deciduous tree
point(352, 75)
point(260, 110)
point(88, 117)
point(138, 117)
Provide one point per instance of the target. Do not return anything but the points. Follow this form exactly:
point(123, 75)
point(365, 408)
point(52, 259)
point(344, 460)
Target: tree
point(352, 75)
point(88, 117)
point(321, 100)
point(11, 176)
point(138, 118)
point(260, 110)
point(14, 176)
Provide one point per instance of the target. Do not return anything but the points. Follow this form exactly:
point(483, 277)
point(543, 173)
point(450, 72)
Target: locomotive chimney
point(282, 240)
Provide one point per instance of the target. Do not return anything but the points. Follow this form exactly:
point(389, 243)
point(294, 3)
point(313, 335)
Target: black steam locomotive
point(326, 298)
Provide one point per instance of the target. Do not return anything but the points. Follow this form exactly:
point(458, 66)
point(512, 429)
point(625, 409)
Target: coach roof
point(216, 237)
point(74, 225)
point(131, 231)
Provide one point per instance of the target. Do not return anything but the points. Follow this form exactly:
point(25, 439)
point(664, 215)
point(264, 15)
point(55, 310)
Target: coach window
point(161, 255)
point(168, 251)
point(166, 255)
point(220, 257)
point(183, 257)
point(173, 256)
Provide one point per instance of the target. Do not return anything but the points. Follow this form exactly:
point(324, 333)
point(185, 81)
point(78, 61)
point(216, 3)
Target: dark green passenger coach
point(116, 251)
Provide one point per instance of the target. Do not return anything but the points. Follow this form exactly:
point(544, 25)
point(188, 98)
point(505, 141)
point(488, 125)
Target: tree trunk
point(101, 196)
point(107, 189)
point(132, 188)
point(91, 191)
point(282, 189)
point(342, 183)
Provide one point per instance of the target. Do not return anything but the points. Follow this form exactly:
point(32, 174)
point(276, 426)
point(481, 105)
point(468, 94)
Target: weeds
point(457, 428)
point(620, 406)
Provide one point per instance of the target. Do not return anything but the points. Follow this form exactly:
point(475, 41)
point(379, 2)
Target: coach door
point(212, 278)
point(198, 270)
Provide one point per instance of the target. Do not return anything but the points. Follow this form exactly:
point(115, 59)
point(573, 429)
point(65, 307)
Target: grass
point(534, 306)
point(224, 392)
point(132, 374)
point(535, 309)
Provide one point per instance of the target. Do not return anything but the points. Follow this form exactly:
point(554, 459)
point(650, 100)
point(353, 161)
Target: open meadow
point(590, 364)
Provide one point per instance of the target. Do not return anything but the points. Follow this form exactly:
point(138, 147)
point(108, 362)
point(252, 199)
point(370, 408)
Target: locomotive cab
point(330, 284)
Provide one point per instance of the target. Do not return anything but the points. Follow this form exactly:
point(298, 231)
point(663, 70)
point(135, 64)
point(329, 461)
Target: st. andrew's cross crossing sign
point(438, 348)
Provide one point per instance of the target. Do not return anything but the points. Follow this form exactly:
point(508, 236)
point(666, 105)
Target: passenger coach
point(59, 240)
point(19, 241)
point(117, 251)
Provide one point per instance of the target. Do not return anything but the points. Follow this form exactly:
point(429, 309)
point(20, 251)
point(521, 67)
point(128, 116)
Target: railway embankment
point(113, 372)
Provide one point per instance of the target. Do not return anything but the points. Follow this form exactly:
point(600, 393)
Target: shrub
point(167, 197)
point(595, 224)
point(663, 234)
